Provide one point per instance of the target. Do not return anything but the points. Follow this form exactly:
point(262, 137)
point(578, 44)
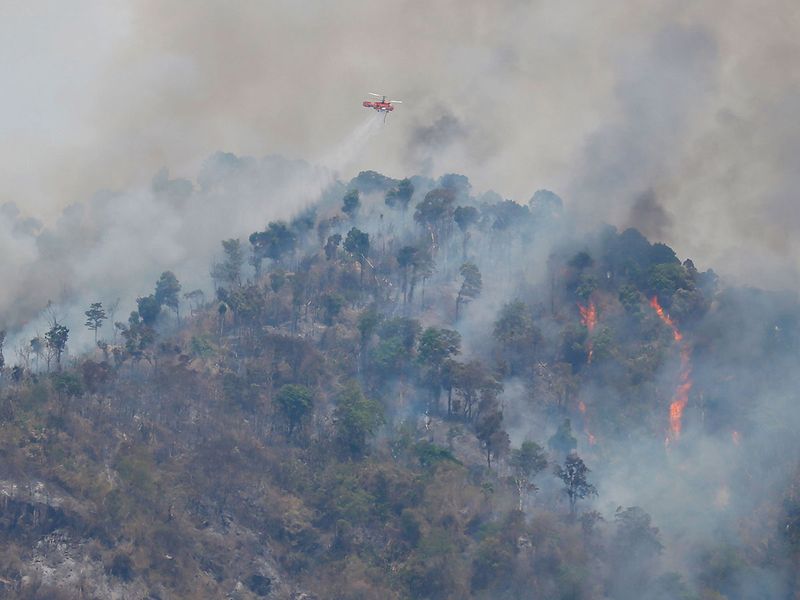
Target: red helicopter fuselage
point(379, 106)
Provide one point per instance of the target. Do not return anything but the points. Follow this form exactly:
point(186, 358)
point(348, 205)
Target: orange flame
point(681, 397)
point(588, 315)
point(665, 317)
point(589, 320)
point(589, 435)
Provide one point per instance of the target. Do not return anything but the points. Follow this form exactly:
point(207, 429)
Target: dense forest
point(406, 390)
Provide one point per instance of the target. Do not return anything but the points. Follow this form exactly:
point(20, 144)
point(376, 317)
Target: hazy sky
point(677, 116)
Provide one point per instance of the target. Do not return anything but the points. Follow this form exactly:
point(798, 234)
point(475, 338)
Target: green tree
point(470, 286)
point(56, 341)
point(95, 317)
point(332, 245)
point(633, 553)
point(367, 324)
point(582, 260)
point(635, 534)
point(37, 345)
point(465, 217)
point(630, 298)
point(449, 373)
point(294, 403)
point(405, 330)
point(407, 260)
point(368, 321)
point(196, 299)
point(508, 215)
point(457, 183)
point(576, 486)
point(435, 347)
point(149, 309)
point(662, 254)
point(167, 293)
point(527, 462)
point(573, 345)
point(400, 196)
point(66, 384)
point(493, 563)
point(138, 334)
point(663, 280)
point(586, 284)
point(332, 304)
point(489, 430)
point(517, 337)
point(435, 212)
point(357, 244)
point(436, 344)
point(222, 310)
point(229, 271)
point(274, 243)
point(351, 203)
point(357, 418)
point(562, 441)
point(394, 353)
point(477, 388)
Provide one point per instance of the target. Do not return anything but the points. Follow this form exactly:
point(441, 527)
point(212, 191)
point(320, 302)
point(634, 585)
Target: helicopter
point(383, 105)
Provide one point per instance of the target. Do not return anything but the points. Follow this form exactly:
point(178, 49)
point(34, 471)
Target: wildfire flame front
point(681, 396)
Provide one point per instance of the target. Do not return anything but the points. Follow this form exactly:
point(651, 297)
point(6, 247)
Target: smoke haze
point(691, 104)
point(678, 118)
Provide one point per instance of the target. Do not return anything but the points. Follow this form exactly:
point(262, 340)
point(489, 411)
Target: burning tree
point(589, 320)
point(681, 397)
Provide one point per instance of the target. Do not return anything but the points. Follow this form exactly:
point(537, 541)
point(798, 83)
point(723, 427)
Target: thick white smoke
point(115, 245)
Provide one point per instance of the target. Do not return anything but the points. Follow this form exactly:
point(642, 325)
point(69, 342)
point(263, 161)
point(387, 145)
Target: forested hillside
point(408, 390)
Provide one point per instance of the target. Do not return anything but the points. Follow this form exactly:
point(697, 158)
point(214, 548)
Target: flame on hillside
point(665, 317)
point(589, 435)
point(589, 320)
point(681, 397)
point(588, 315)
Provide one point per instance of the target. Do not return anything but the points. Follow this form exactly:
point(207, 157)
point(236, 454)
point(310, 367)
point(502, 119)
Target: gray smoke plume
point(115, 245)
point(695, 101)
point(677, 117)
point(650, 217)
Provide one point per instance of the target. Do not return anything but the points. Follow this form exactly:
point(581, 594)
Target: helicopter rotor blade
point(376, 95)
point(395, 101)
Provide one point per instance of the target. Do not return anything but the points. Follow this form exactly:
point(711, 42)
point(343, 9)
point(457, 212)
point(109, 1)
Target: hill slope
point(408, 391)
